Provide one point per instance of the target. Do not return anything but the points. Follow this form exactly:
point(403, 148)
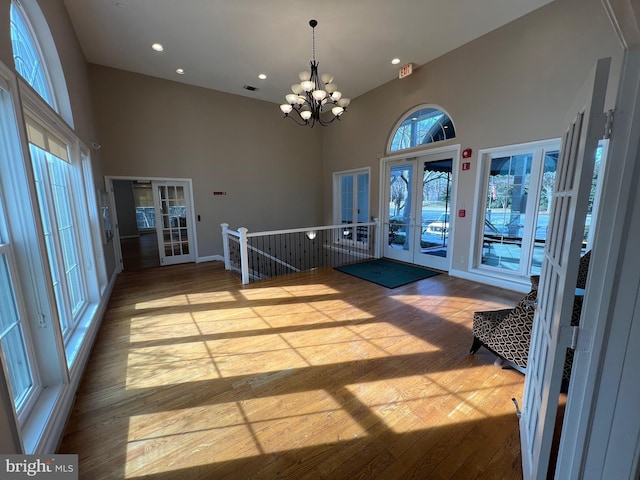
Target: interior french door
point(173, 222)
point(552, 329)
point(419, 219)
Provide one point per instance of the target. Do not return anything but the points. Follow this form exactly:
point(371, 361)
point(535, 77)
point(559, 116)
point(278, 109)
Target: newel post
point(377, 253)
point(225, 245)
point(244, 256)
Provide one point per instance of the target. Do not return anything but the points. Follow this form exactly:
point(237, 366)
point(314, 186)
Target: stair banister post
point(376, 247)
point(244, 256)
point(225, 245)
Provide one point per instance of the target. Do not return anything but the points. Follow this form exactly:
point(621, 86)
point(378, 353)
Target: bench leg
point(476, 345)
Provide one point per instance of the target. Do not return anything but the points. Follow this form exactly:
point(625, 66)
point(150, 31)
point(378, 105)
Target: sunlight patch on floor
point(309, 320)
point(406, 404)
point(164, 352)
point(391, 339)
point(209, 327)
point(228, 431)
point(142, 322)
point(224, 314)
point(186, 299)
point(293, 291)
point(161, 327)
point(313, 289)
point(169, 365)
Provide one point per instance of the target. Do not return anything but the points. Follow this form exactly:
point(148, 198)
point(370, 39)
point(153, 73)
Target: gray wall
point(270, 168)
point(512, 85)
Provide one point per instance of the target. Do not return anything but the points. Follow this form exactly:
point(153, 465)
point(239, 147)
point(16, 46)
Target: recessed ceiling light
point(180, 71)
point(157, 47)
point(262, 76)
point(395, 61)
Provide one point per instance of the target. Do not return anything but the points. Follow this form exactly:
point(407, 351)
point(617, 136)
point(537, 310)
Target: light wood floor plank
point(316, 375)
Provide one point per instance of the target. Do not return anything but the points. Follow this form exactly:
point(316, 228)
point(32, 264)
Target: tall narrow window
point(62, 273)
point(53, 177)
point(15, 351)
point(351, 198)
point(27, 57)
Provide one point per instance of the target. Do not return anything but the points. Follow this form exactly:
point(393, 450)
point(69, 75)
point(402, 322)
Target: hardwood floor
point(140, 252)
point(315, 375)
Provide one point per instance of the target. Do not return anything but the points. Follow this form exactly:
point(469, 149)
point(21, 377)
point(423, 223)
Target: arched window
point(36, 58)
point(27, 55)
point(421, 126)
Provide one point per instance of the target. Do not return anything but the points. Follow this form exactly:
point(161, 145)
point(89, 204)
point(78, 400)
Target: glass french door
point(549, 337)
point(400, 217)
point(173, 222)
point(436, 217)
point(419, 219)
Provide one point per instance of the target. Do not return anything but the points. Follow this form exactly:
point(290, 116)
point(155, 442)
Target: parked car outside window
point(440, 226)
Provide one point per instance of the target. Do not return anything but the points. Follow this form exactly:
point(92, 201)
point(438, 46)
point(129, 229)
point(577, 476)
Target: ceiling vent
point(250, 88)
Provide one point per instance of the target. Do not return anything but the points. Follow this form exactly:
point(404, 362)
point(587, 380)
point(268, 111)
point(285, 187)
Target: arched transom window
point(421, 126)
point(27, 56)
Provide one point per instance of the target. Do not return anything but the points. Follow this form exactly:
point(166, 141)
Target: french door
point(173, 222)
point(418, 224)
point(552, 332)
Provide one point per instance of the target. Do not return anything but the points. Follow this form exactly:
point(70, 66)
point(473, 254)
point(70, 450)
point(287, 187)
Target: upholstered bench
point(507, 332)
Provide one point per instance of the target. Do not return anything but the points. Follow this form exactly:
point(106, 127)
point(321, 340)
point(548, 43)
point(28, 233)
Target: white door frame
point(449, 150)
point(108, 180)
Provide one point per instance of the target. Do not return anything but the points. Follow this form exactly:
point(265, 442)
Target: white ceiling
point(225, 44)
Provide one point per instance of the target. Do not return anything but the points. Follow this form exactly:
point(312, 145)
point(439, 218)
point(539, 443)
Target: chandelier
point(314, 95)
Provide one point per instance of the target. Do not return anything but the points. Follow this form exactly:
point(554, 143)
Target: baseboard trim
point(210, 258)
point(513, 284)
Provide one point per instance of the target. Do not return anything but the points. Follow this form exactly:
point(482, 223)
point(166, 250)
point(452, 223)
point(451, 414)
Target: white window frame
point(337, 199)
point(506, 278)
point(30, 271)
point(22, 410)
point(43, 70)
point(37, 109)
point(417, 146)
point(69, 315)
point(38, 429)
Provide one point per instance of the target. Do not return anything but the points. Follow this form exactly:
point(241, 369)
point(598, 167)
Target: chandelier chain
point(313, 42)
